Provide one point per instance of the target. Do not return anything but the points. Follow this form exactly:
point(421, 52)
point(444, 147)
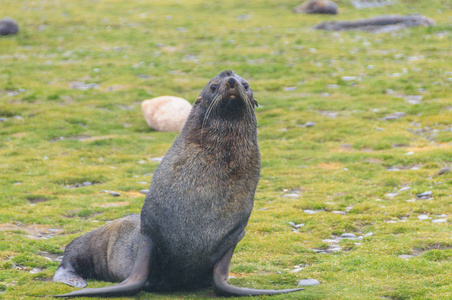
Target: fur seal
point(317, 7)
point(195, 213)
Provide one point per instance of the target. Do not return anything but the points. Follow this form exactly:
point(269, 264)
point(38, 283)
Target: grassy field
point(71, 84)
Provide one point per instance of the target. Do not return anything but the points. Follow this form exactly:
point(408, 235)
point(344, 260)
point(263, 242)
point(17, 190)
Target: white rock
point(306, 282)
point(348, 236)
point(293, 195)
point(166, 113)
point(422, 217)
point(439, 221)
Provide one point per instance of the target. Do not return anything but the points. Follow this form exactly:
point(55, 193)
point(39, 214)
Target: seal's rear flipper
point(222, 288)
point(67, 274)
point(133, 284)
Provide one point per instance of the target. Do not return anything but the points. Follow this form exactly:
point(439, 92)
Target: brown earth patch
point(19, 134)
point(34, 231)
point(111, 204)
point(374, 160)
point(330, 165)
point(37, 200)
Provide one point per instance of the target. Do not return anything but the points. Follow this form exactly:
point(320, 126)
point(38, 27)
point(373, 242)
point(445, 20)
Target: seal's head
point(226, 104)
point(226, 96)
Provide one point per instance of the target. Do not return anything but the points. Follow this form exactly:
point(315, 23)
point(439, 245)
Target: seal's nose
point(231, 82)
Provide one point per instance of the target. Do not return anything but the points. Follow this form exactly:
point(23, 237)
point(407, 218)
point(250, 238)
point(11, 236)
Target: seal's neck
point(219, 134)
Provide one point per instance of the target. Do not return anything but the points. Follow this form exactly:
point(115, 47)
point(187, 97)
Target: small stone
point(299, 225)
point(443, 171)
point(145, 192)
point(309, 211)
point(290, 88)
point(331, 241)
point(166, 113)
point(307, 282)
point(394, 116)
point(82, 85)
point(18, 118)
point(405, 189)
point(424, 195)
point(296, 270)
point(405, 256)
point(369, 234)
point(422, 217)
point(348, 78)
point(291, 196)
point(157, 159)
point(243, 17)
point(114, 194)
point(3, 119)
point(339, 212)
point(439, 221)
point(348, 236)
point(391, 195)
point(309, 124)
point(409, 153)
point(87, 183)
point(36, 270)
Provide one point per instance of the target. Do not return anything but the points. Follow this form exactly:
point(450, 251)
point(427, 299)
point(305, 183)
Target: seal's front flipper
point(68, 276)
point(133, 284)
point(222, 288)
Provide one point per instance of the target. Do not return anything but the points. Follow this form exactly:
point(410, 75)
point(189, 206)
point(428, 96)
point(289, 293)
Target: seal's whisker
point(246, 98)
point(209, 109)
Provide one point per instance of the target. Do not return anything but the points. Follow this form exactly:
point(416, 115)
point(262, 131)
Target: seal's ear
point(255, 102)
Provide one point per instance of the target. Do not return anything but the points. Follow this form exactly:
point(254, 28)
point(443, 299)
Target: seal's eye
point(213, 87)
point(246, 86)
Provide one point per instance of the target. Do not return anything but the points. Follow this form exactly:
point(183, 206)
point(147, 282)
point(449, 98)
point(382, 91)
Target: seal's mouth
point(233, 94)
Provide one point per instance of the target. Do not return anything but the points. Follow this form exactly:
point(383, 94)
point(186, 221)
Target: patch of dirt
point(19, 134)
point(36, 200)
point(87, 138)
point(418, 251)
point(236, 275)
point(111, 204)
point(406, 167)
point(34, 231)
point(374, 160)
point(330, 166)
point(43, 279)
point(329, 114)
point(133, 194)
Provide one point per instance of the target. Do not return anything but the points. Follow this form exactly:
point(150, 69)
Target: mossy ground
point(135, 50)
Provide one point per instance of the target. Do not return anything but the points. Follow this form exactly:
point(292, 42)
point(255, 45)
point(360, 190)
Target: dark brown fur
point(195, 213)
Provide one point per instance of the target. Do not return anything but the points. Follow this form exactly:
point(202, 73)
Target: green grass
point(135, 50)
